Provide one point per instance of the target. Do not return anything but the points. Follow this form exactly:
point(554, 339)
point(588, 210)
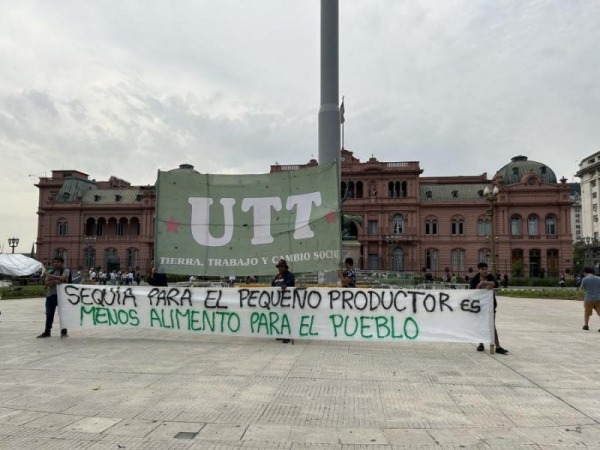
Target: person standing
point(348, 276)
point(57, 275)
point(485, 280)
point(284, 279)
point(590, 283)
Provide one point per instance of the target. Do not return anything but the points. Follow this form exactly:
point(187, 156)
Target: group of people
point(284, 278)
point(116, 277)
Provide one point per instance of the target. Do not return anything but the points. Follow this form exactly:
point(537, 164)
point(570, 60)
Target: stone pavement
point(143, 389)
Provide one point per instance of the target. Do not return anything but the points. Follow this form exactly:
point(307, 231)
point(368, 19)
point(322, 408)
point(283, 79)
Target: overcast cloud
point(126, 88)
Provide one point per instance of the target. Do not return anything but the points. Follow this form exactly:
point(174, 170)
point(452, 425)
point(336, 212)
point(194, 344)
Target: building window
point(431, 259)
point(515, 226)
point(485, 255)
point(373, 261)
point(398, 260)
point(431, 227)
point(551, 225)
point(552, 262)
point(593, 183)
point(398, 224)
point(359, 189)
point(90, 258)
point(133, 258)
point(101, 227)
point(122, 227)
point(483, 227)
point(372, 228)
point(457, 260)
point(594, 195)
point(458, 227)
point(533, 225)
point(63, 228)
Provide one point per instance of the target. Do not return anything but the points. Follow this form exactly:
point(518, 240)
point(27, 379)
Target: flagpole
point(342, 119)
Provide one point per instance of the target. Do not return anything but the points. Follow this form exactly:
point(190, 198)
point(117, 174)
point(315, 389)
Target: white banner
point(315, 313)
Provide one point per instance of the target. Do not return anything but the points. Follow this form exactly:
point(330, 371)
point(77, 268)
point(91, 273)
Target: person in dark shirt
point(348, 276)
point(485, 280)
point(283, 279)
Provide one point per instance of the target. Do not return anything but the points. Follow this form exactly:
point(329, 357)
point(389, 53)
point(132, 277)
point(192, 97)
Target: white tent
point(18, 265)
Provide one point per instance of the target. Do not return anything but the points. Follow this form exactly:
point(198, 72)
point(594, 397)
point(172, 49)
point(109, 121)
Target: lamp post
point(13, 242)
point(491, 196)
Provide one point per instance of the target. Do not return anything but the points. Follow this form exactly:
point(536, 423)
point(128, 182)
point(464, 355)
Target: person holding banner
point(283, 279)
point(348, 276)
point(57, 275)
point(485, 280)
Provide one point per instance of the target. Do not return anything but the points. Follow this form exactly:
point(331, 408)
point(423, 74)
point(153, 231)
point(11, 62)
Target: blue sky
point(126, 88)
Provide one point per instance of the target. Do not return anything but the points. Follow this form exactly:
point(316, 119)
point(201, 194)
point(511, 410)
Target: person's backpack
point(70, 279)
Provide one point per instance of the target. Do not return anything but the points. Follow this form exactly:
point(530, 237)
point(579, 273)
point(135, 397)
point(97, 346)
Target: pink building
point(402, 221)
point(413, 223)
point(108, 224)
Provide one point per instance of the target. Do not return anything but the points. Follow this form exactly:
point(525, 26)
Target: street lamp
point(13, 242)
point(491, 196)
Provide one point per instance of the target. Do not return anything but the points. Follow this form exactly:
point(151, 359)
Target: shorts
point(591, 306)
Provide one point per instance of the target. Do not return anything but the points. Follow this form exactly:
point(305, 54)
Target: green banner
point(220, 225)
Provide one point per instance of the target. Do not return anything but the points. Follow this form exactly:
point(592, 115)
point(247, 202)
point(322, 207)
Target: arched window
point(551, 225)
point(134, 227)
point(133, 258)
point(391, 189)
point(431, 259)
point(397, 189)
point(515, 226)
point(351, 189)
point(483, 227)
point(516, 262)
point(485, 255)
point(359, 189)
point(398, 260)
point(90, 227)
point(404, 189)
point(122, 227)
point(89, 256)
point(101, 227)
point(111, 227)
point(457, 260)
point(458, 226)
point(62, 227)
point(398, 224)
point(533, 225)
point(552, 262)
point(431, 226)
point(343, 188)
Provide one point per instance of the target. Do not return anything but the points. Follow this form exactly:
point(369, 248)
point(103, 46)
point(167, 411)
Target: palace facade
point(398, 219)
point(409, 223)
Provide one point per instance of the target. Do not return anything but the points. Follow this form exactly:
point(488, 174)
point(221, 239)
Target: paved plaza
point(143, 389)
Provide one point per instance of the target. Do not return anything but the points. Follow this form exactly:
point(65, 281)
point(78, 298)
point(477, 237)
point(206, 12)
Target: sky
point(127, 88)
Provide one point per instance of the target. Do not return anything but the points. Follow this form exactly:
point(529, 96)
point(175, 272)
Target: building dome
point(184, 168)
point(520, 166)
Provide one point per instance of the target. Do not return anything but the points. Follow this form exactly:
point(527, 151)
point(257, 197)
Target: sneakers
point(63, 333)
point(45, 334)
point(585, 327)
point(480, 347)
point(501, 350)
